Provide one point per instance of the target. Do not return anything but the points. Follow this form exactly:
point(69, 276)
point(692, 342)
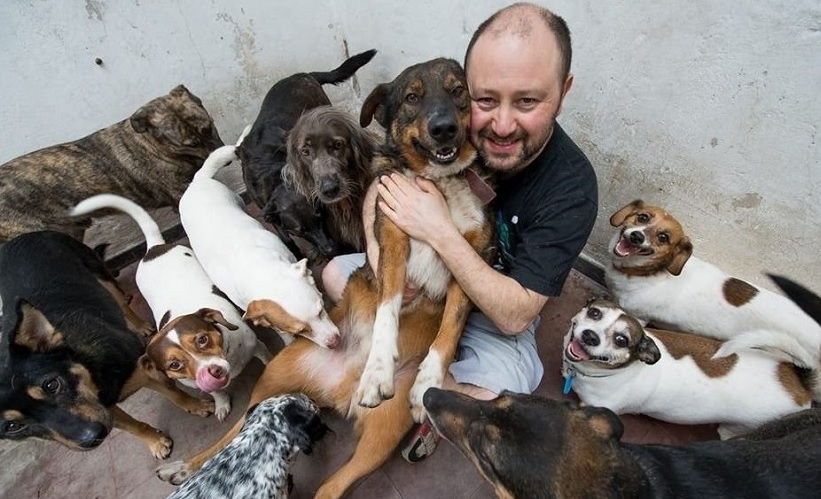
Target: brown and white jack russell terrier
point(654, 277)
point(249, 263)
point(610, 360)
point(202, 341)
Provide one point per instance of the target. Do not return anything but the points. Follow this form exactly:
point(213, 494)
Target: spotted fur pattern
point(256, 463)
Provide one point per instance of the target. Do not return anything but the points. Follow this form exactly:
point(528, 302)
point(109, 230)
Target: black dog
point(291, 213)
point(264, 151)
point(533, 447)
point(257, 461)
point(67, 355)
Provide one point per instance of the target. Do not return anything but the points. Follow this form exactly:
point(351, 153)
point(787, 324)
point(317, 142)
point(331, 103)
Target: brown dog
point(148, 158)
point(331, 376)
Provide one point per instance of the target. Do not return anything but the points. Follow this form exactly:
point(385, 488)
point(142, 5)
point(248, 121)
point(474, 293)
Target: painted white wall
point(709, 108)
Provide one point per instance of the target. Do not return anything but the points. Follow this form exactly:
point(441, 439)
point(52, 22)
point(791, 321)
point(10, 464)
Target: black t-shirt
point(544, 215)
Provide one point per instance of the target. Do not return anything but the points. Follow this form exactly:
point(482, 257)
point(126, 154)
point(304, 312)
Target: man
point(518, 70)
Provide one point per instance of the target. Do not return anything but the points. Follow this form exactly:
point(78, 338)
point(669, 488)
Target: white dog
point(202, 340)
point(610, 360)
point(250, 263)
point(654, 277)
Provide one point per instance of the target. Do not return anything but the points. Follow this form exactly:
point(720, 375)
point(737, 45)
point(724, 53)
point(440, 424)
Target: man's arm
point(419, 209)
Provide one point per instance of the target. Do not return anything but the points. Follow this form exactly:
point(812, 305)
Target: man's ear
point(568, 84)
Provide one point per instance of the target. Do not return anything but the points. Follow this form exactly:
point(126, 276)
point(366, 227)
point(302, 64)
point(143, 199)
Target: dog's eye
point(664, 238)
point(305, 151)
point(52, 385)
point(621, 341)
point(411, 98)
point(202, 340)
point(457, 92)
point(12, 427)
point(594, 313)
point(339, 145)
point(643, 218)
point(174, 365)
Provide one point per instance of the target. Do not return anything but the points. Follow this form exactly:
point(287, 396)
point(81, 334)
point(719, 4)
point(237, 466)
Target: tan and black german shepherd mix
point(427, 135)
point(69, 348)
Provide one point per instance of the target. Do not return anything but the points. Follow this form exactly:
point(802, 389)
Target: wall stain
point(95, 8)
point(748, 201)
point(245, 50)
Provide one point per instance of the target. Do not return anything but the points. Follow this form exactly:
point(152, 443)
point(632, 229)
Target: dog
point(610, 360)
point(329, 162)
point(654, 277)
point(331, 376)
point(68, 354)
point(202, 341)
point(256, 463)
point(250, 264)
point(148, 158)
point(263, 153)
point(530, 447)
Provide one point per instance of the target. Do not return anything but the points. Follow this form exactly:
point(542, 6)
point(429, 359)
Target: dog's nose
point(590, 338)
point(637, 237)
point(443, 127)
point(216, 371)
point(92, 435)
point(329, 188)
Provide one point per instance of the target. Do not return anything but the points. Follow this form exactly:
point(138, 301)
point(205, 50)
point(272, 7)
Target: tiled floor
point(123, 468)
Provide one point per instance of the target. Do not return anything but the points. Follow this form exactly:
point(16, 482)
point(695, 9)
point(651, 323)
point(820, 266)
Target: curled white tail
point(779, 344)
point(149, 227)
point(216, 160)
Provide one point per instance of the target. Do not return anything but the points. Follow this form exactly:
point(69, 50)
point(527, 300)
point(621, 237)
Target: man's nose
point(504, 121)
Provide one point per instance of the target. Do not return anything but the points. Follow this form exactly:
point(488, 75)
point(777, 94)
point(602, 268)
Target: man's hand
point(416, 206)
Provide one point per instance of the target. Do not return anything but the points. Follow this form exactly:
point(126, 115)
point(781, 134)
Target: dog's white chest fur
point(425, 268)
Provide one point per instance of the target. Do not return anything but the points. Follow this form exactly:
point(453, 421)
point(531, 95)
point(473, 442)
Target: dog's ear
point(618, 218)
point(215, 317)
point(374, 106)
point(180, 91)
point(683, 251)
point(149, 368)
point(647, 350)
point(307, 426)
point(267, 313)
point(604, 423)
point(34, 331)
point(302, 267)
point(140, 120)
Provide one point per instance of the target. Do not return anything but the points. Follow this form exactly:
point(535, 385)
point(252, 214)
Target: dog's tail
point(218, 158)
point(345, 71)
point(150, 229)
point(778, 344)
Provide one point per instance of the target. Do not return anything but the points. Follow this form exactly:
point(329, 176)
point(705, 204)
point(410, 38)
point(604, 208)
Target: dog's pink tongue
point(209, 382)
point(624, 248)
point(577, 350)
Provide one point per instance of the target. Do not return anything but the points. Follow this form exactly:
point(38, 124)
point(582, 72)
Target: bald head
point(526, 21)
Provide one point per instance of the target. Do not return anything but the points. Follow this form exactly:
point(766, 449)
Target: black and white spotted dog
point(256, 463)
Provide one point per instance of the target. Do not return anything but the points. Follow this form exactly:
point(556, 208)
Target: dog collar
point(570, 375)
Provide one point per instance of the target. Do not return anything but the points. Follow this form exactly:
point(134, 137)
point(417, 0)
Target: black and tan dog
point(148, 158)
point(69, 348)
point(330, 376)
point(530, 447)
point(263, 152)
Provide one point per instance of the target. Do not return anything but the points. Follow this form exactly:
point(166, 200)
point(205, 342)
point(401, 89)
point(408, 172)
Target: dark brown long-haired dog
point(331, 376)
point(329, 161)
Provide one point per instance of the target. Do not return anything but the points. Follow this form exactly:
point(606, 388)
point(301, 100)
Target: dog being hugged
point(264, 152)
point(531, 447)
point(331, 376)
point(68, 354)
point(249, 263)
point(426, 114)
point(654, 277)
point(202, 341)
point(257, 461)
point(610, 360)
point(148, 158)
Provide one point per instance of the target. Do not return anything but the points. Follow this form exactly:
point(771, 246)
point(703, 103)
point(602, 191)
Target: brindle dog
point(148, 158)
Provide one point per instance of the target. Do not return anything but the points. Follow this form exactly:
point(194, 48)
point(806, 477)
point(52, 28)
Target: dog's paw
point(174, 473)
point(161, 446)
point(431, 374)
point(222, 405)
point(375, 385)
point(201, 407)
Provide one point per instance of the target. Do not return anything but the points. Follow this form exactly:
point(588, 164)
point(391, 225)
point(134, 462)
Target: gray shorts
point(485, 357)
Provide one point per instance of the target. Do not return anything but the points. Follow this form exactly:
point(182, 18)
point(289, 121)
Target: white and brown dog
point(654, 277)
point(202, 341)
point(610, 360)
point(249, 263)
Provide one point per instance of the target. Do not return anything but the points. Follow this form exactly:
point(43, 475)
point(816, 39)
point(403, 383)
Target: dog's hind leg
point(135, 322)
point(157, 442)
point(380, 431)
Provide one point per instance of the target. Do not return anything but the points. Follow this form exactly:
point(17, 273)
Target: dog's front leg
point(377, 383)
point(442, 350)
point(157, 442)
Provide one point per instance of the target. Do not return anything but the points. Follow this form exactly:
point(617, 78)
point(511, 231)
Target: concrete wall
point(709, 108)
